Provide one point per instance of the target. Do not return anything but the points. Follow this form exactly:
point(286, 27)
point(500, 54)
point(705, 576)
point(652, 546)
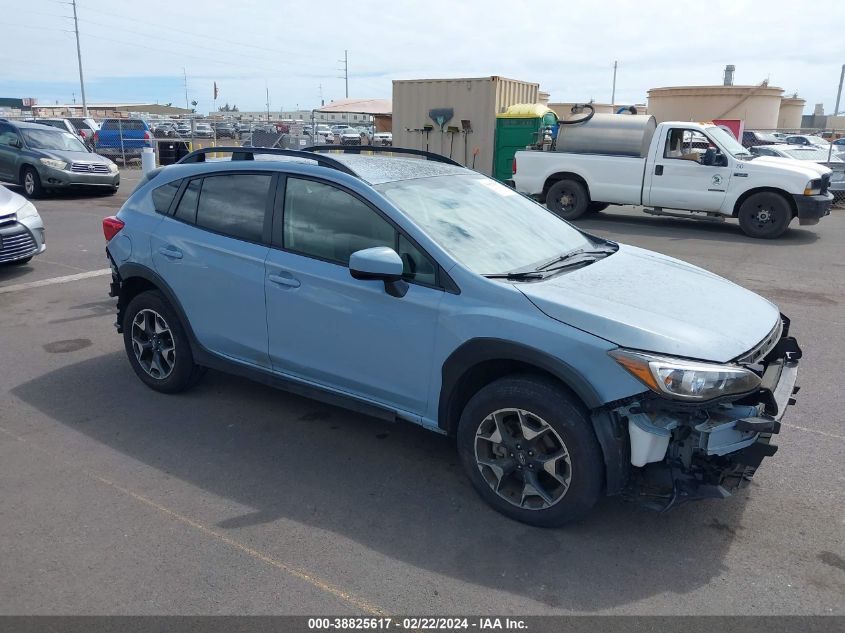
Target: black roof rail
point(383, 149)
point(248, 153)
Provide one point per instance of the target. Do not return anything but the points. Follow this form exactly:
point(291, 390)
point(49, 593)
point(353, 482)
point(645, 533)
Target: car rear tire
point(529, 450)
point(157, 346)
point(31, 182)
point(568, 199)
point(765, 215)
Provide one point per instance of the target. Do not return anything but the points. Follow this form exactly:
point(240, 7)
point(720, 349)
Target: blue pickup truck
point(117, 138)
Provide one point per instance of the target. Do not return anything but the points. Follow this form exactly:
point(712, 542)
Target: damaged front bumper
point(684, 452)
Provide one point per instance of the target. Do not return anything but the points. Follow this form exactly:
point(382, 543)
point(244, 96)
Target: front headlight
point(813, 188)
point(113, 168)
point(684, 379)
point(53, 162)
point(28, 210)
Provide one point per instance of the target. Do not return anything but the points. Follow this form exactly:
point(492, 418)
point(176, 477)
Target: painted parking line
point(291, 570)
point(55, 280)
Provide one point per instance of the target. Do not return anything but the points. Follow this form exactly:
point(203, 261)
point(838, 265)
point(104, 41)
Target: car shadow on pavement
point(396, 489)
point(680, 229)
point(11, 272)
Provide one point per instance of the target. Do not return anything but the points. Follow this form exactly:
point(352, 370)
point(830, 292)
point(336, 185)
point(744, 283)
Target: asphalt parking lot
point(235, 498)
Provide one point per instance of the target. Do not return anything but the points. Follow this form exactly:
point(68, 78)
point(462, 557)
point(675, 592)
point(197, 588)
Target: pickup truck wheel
point(595, 207)
point(568, 199)
point(530, 451)
point(157, 346)
point(765, 215)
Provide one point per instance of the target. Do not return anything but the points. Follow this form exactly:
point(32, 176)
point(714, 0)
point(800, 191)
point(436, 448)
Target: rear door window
point(187, 208)
point(234, 205)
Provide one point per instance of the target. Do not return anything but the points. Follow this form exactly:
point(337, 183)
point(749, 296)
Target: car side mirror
point(16, 142)
point(379, 263)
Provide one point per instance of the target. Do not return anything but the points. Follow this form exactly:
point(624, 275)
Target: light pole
point(79, 59)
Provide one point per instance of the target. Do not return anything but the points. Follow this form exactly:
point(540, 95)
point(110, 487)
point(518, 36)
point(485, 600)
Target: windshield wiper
point(516, 276)
point(577, 256)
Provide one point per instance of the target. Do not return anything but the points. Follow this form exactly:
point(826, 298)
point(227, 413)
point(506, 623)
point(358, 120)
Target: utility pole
point(322, 102)
point(613, 92)
point(79, 59)
point(267, 90)
point(185, 75)
point(839, 94)
point(345, 70)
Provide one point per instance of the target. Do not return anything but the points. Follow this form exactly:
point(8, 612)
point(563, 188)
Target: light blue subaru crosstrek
point(403, 285)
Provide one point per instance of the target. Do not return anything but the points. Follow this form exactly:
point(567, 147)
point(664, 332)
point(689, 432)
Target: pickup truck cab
point(698, 169)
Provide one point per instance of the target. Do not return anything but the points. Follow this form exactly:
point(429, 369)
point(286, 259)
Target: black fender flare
point(611, 437)
point(130, 270)
point(480, 350)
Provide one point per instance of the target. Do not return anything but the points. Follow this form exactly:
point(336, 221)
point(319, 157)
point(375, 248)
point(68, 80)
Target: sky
point(293, 49)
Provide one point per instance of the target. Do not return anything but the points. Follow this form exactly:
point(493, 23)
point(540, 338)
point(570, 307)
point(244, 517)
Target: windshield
point(53, 139)
point(486, 226)
point(727, 142)
point(806, 153)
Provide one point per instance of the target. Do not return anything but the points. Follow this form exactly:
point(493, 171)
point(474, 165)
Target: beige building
point(475, 100)
point(759, 106)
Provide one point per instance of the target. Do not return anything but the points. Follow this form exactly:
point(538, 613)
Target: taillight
point(514, 164)
point(96, 137)
point(147, 136)
point(112, 226)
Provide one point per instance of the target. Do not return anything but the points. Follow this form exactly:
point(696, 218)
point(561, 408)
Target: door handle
point(658, 170)
point(284, 280)
point(171, 252)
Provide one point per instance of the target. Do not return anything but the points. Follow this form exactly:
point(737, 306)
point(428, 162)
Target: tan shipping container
point(477, 100)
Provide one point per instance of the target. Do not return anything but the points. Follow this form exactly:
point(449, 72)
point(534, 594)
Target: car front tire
point(31, 182)
point(157, 345)
point(529, 450)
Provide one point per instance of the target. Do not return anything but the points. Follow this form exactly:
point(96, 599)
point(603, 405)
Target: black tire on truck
point(530, 451)
point(568, 199)
point(765, 215)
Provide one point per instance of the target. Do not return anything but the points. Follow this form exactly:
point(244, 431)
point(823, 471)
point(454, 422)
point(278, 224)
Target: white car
point(383, 138)
point(21, 229)
point(807, 139)
point(815, 153)
point(349, 136)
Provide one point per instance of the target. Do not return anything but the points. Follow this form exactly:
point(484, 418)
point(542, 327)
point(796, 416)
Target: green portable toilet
point(520, 125)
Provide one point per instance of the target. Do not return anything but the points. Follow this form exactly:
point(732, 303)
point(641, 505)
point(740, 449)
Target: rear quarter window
point(163, 196)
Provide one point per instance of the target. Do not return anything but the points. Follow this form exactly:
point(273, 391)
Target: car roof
point(373, 170)
point(33, 126)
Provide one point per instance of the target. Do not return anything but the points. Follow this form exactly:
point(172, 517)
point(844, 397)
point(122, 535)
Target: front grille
point(759, 351)
point(17, 246)
point(825, 183)
point(90, 168)
point(350, 141)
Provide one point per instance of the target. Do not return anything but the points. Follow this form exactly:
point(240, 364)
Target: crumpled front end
point(682, 451)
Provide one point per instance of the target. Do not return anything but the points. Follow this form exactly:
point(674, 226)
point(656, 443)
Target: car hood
point(643, 300)
point(10, 201)
point(806, 168)
point(75, 157)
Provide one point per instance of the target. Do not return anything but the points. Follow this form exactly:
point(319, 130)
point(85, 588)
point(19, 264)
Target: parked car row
point(42, 158)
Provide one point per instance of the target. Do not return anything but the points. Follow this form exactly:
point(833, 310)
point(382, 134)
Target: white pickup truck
point(697, 169)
